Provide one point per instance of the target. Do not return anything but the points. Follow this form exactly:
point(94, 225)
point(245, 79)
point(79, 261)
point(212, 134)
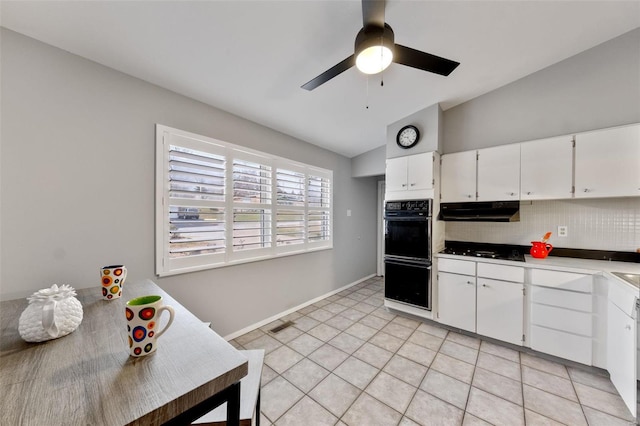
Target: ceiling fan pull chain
point(381, 61)
point(367, 97)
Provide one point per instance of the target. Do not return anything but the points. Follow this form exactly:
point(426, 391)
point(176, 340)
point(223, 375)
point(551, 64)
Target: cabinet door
point(500, 310)
point(499, 173)
point(420, 171)
point(546, 168)
point(458, 177)
point(621, 350)
point(396, 174)
point(608, 163)
point(457, 300)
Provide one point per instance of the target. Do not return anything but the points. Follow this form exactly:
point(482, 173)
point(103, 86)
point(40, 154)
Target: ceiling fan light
point(374, 48)
point(374, 59)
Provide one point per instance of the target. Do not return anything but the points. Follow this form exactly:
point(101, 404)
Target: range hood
point(480, 211)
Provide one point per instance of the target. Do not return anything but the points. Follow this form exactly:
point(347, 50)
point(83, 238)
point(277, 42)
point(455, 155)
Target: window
point(219, 204)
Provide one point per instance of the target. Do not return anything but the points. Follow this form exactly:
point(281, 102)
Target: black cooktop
point(488, 251)
point(517, 252)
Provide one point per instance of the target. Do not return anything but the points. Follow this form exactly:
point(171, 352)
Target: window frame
point(167, 265)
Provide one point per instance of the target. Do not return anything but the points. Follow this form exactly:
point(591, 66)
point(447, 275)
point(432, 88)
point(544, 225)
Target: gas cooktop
point(491, 252)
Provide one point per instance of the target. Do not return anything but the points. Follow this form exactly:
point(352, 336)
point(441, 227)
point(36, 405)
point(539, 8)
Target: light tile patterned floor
point(348, 361)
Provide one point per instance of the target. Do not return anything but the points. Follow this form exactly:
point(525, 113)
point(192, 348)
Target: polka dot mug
point(143, 323)
point(112, 278)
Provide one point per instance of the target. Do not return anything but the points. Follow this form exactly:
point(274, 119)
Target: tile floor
point(348, 361)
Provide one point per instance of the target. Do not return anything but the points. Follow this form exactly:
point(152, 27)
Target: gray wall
point(370, 163)
point(77, 175)
point(429, 123)
point(597, 88)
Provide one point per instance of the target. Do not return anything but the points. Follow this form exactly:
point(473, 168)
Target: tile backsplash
point(596, 224)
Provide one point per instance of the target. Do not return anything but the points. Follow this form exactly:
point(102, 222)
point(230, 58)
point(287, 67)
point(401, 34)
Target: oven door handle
point(407, 262)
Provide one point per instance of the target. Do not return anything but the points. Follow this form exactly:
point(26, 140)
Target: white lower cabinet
point(561, 314)
point(480, 302)
point(500, 310)
point(621, 347)
point(622, 342)
point(457, 300)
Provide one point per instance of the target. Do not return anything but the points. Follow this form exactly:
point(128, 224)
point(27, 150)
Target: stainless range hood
point(480, 211)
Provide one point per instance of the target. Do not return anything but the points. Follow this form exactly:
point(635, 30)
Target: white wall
point(595, 89)
point(77, 176)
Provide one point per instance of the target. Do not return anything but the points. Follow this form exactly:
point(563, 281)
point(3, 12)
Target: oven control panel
point(409, 206)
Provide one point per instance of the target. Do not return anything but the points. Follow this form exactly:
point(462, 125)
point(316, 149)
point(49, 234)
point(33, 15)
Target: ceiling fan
point(375, 50)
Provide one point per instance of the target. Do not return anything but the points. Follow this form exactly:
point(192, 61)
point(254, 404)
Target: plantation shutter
point(252, 193)
point(290, 217)
point(319, 208)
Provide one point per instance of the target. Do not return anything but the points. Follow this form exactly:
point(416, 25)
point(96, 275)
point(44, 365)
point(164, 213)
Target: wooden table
point(88, 377)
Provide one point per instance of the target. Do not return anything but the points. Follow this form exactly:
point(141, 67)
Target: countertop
point(566, 264)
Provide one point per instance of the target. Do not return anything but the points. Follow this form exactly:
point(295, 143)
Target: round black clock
point(408, 136)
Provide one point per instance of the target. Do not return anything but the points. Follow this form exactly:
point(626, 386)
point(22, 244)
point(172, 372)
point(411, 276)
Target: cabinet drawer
point(563, 280)
point(564, 345)
point(501, 272)
point(562, 319)
point(563, 299)
point(457, 266)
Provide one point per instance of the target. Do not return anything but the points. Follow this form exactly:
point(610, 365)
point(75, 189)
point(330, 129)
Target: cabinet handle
point(404, 184)
point(511, 194)
point(528, 192)
point(470, 282)
point(413, 184)
point(627, 327)
point(484, 285)
point(586, 190)
point(469, 196)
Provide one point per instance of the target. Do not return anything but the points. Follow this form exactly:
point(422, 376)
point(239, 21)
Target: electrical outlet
point(563, 231)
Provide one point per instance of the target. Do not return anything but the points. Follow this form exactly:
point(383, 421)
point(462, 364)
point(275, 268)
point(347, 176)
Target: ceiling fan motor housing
point(373, 35)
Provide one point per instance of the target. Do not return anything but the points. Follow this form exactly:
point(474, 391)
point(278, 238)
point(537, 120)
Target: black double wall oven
point(407, 252)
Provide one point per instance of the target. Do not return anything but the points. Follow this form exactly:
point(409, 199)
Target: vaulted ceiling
point(251, 57)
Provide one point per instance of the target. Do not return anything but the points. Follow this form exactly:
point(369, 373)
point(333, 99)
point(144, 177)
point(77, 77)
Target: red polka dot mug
point(143, 323)
point(112, 278)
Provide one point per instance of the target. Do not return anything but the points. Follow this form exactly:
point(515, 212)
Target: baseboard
point(289, 311)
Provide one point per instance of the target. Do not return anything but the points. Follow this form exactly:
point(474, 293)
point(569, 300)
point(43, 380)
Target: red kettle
point(540, 249)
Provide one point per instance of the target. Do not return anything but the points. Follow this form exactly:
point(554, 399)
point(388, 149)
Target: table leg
point(233, 405)
point(230, 395)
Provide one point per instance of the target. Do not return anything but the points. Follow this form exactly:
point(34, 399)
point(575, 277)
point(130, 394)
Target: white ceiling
point(251, 57)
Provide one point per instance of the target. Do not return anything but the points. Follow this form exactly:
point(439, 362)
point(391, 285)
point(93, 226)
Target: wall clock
point(408, 136)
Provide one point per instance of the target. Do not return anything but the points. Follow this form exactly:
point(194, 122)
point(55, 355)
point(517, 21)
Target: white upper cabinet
point(396, 174)
point(499, 173)
point(607, 163)
point(410, 173)
point(545, 169)
point(458, 177)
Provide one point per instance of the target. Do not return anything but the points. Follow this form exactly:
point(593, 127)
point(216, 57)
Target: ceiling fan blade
point(423, 61)
point(330, 73)
point(373, 13)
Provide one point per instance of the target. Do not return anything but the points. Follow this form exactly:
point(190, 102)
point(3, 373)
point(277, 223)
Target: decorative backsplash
point(596, 224)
